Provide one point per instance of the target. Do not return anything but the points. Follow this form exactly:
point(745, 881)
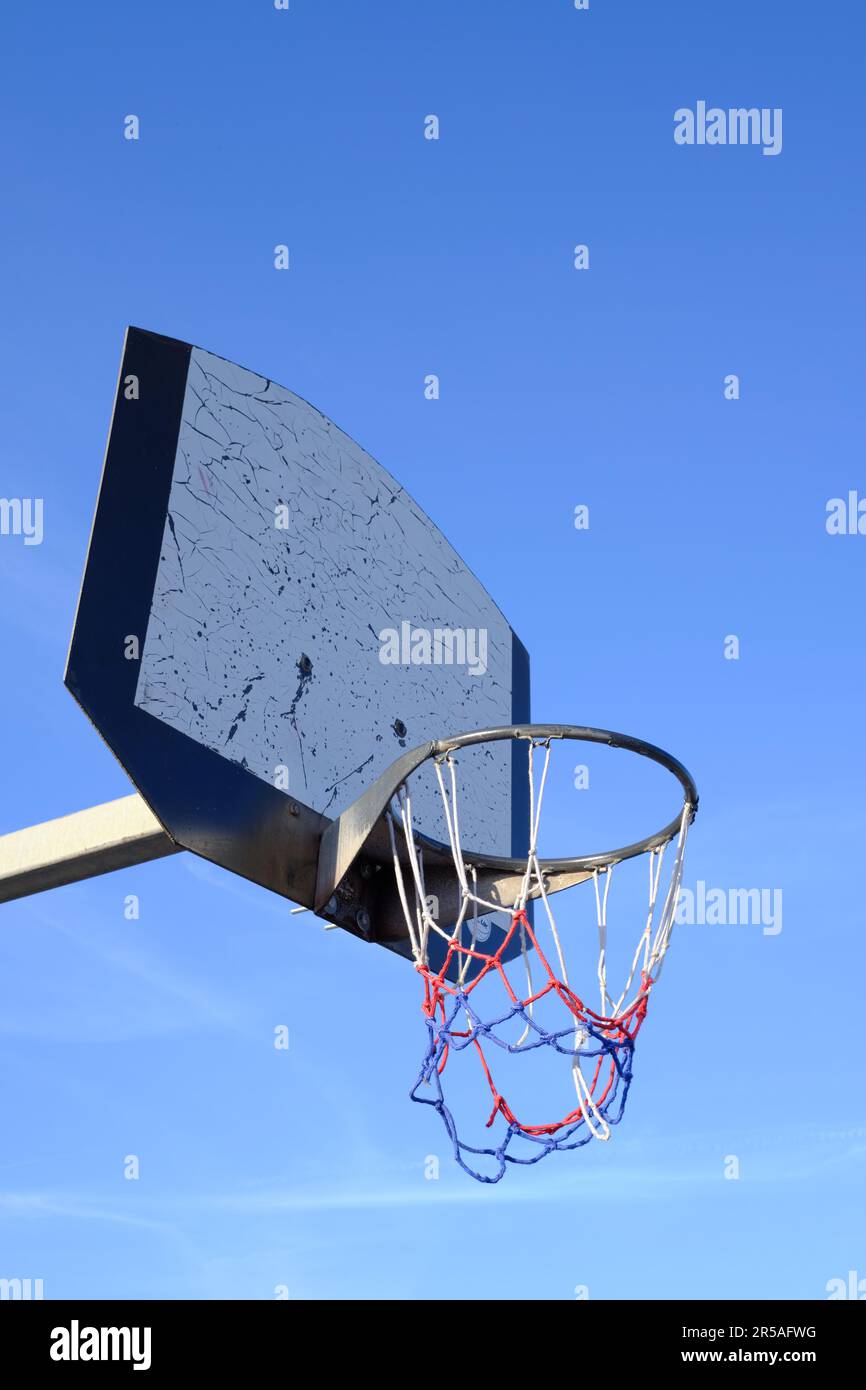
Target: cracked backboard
point(267, 619)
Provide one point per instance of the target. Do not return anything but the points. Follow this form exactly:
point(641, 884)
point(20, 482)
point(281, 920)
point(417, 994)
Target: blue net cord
point(453, 1025)
point(600, 1045)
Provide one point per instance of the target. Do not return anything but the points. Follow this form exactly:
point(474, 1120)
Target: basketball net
point(598, 1043)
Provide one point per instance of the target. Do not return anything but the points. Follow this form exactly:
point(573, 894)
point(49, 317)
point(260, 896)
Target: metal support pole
point(115, 835)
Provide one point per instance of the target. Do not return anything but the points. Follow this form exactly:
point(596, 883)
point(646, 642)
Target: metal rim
point(543, 733)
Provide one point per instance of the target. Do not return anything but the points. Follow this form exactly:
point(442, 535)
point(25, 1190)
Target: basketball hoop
point(599, 1042)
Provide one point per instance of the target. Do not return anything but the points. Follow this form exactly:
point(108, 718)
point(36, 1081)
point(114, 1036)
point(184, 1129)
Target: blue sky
point(305, 1168)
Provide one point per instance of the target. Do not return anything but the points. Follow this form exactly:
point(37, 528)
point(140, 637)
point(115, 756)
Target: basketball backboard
point(267, 618)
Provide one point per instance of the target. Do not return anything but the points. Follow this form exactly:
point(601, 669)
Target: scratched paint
point(262, 641)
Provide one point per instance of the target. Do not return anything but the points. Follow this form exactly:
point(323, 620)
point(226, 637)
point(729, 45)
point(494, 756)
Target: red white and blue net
point(473, 1005)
